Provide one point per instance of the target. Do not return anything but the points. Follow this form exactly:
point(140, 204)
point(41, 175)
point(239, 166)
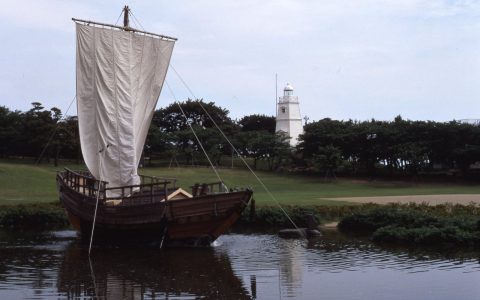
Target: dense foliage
point(36, 216)
point(415, 226)
point(171, 135)
point(28, 133)
point(45, 134)
point(398, 147)
point(329, 147)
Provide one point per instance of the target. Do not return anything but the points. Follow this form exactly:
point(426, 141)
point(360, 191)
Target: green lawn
point(26, 183)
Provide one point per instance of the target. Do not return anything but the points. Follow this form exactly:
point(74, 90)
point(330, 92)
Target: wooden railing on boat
point(81, 181)
point(151, 189)
point(153, 179)
point(208, 188)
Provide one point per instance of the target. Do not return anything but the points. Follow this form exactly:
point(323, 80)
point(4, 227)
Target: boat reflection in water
point(139, 273)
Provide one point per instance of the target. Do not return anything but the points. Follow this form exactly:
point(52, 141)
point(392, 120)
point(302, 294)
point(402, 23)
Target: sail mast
point(126, 21)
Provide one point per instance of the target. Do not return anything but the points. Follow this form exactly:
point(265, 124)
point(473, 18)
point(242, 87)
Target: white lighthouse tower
point(289, 119)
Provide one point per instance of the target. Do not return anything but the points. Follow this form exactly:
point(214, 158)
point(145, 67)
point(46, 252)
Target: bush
point(374, 219)
point(426, 236)
point(273, 216)
point(413, 226)
point(35, 215)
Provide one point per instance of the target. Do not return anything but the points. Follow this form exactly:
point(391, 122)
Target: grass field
point(22, 182)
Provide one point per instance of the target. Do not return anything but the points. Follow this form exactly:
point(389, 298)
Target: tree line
point(45, 134)
point(329, 147)
point(26, 134)
point(396, 147)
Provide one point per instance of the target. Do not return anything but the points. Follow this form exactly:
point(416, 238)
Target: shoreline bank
point(48, 215)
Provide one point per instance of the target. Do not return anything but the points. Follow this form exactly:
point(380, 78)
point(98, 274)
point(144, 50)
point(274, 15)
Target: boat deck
point(151, 190)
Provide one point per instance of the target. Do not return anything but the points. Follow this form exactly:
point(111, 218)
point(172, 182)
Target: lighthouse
point(289, 119)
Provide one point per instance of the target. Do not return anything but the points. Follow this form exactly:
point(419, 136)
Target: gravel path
point(464, 199)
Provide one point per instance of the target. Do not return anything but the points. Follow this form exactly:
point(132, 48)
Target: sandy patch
point(464, 199)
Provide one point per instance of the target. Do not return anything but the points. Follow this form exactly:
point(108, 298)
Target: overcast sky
point(346, 59)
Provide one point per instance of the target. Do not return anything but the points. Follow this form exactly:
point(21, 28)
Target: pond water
point(54, 265)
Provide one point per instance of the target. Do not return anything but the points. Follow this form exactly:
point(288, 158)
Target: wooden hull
point(205, 216)
point(193, 221)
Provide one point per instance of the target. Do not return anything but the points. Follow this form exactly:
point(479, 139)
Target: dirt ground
point(464, 199)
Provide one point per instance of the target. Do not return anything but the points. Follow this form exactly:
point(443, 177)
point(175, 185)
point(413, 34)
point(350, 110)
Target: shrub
point(274, 216)
point(35, 215)
point(414, 225)
point(374, 219)
point(426, 236)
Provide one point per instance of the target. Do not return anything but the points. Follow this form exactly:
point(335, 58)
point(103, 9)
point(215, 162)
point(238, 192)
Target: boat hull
point(192, 221)
point(206, 216)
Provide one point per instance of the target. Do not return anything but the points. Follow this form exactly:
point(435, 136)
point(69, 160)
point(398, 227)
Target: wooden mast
point(126, 21)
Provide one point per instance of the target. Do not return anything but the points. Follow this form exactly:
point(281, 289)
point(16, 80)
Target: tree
point(274, 149)
point(10, 124)
point(69, 138)
point(466, 156)
point(282, 151)
point(170, 124)
point(37, 127)
point(258, 123)
point(171, 118)
point(328, 159)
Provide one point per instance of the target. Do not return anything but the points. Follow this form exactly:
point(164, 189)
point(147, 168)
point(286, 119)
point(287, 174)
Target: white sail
point(119, 78)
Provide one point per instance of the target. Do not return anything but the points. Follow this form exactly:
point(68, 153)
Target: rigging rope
point(194, 133)
point(184, 115)
point(136, 20)
point(55, 131)
point(92, 273)
point(239, 155)
point(226, 138)
point(118, 19)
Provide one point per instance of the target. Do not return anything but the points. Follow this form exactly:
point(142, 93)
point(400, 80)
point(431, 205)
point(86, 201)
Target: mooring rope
point(98, 196)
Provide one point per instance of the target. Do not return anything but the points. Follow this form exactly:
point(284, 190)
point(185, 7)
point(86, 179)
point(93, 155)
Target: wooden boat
point(147, 214)
point(120, 73)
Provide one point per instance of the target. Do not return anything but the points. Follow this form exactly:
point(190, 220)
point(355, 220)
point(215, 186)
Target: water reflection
point(341, 267)
point(240, 266)
point(135, 272)
point(50, 266)
point(27, 266)
point(337, 252)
